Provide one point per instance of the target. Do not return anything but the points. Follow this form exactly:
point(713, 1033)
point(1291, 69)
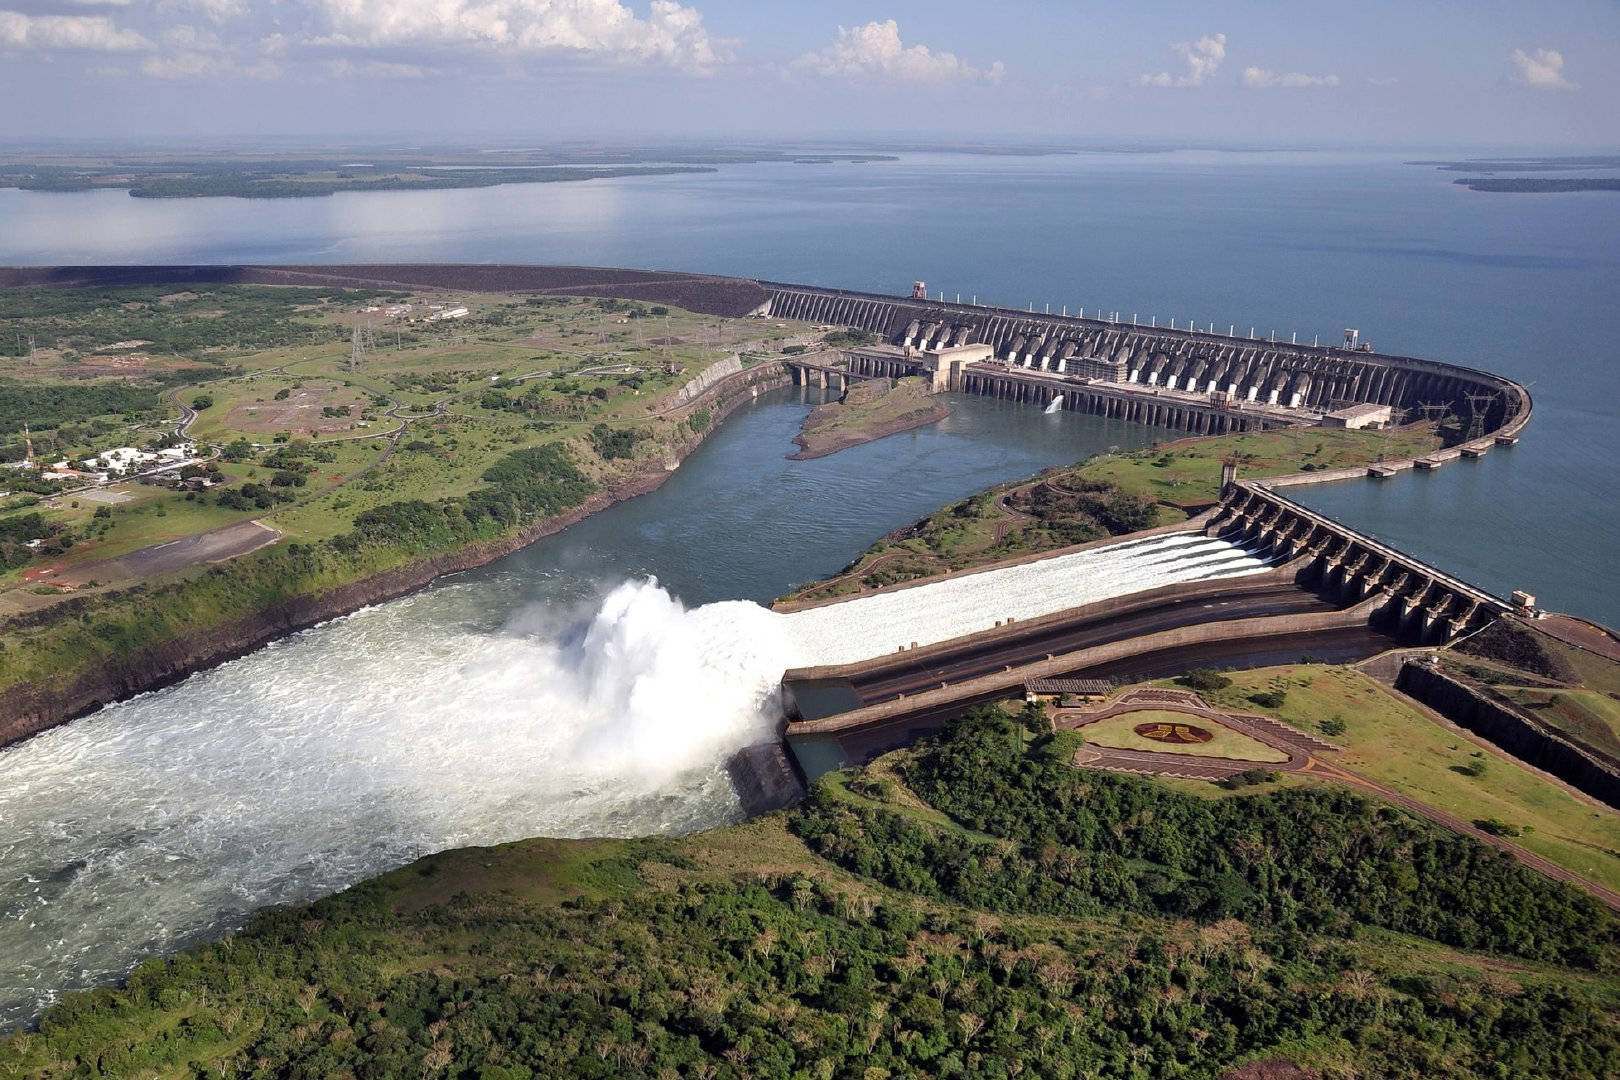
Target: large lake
point(1297, 242)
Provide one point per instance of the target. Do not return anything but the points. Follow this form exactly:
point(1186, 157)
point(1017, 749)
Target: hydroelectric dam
point(1201, 380)
point(299, 769)
point(1288, 581)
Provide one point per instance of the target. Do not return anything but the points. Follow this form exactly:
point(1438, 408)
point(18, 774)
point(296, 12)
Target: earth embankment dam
point(1245, 367)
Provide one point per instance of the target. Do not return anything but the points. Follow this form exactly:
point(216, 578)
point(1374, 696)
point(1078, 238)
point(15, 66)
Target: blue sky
point(1483, 73)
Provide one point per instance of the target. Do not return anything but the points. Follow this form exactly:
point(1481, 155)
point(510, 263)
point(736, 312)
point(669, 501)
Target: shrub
point(1269, 699)
point(1496, 827)
point(1205, 679)
point(610, 443)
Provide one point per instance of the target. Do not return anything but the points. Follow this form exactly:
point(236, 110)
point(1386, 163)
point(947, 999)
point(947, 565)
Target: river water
point(559, 692)
point(556, 692)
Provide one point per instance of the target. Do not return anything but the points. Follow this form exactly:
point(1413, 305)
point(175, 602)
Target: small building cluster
point(117, 463)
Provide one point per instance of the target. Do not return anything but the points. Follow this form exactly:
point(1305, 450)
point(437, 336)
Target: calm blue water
point(1306, 242)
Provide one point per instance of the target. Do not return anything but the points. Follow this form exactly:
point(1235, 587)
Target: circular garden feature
point(1175, 732)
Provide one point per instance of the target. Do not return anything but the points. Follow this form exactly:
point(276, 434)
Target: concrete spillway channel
point(1157, 605)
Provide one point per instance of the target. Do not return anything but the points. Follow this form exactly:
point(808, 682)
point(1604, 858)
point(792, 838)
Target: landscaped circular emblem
point(1174, 733)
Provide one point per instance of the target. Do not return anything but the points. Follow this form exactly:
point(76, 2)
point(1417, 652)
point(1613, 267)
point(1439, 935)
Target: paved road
point(975, 659)
point(215, 545)
point(1344, 645)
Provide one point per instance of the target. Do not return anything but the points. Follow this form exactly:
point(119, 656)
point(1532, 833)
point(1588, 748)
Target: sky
point(1480, 73)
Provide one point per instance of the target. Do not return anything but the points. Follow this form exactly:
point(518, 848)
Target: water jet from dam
point(364, 743)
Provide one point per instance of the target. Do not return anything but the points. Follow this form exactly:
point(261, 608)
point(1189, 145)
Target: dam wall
point(1509, 729)
point(1248, 370)
point(706, 294)
point(1414, 601)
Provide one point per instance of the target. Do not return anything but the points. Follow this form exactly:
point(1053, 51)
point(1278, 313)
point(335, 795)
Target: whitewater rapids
point(404, 729)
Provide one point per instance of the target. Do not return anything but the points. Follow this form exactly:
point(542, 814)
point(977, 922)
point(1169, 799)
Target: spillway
point(869, 626)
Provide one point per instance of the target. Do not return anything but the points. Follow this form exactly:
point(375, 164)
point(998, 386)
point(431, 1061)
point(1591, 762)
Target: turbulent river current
point(455, 717)
point(373, 739)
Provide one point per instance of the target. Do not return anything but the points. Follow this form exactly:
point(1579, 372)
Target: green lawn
point(1187, 472)
point(1120, 732)
point(1393, 743)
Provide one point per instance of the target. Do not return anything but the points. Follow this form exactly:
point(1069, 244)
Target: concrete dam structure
point(1291, 582)
point(1414, 601)
point(1198, 380)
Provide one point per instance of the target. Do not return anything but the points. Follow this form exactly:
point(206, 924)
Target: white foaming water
point(400, 730)
point(356, 747)
point(877, 624)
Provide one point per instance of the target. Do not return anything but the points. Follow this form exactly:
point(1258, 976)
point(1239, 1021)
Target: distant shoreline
point(1539, 185)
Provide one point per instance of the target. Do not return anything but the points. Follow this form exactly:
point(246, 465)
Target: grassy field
point(1120, 732)
point(1186, 474)
point(308, 442)
point(1391, 742)
point(1592, 717)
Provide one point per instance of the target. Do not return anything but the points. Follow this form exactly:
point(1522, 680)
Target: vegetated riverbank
point(958, 898)
point(148, 637)
point(871, 409)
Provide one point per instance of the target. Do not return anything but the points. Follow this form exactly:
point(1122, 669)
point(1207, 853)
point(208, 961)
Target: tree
point(202, 402)
point(1205, 679)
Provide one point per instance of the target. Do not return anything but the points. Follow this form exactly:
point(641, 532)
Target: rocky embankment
point(29, 708)
point(869, 411)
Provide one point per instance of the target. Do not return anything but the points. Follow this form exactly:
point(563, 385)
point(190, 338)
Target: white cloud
point(190, 38)
point(1261, 79)
point(1203, 58)
point(193, 64)
point(182, 65)
point(375, 69)
point(95, 33)
point(605, 29)
point(876, 50)
point(1542, 69)
point(216, 11)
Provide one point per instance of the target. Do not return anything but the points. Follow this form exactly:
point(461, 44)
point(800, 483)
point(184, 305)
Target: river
point(556, 692)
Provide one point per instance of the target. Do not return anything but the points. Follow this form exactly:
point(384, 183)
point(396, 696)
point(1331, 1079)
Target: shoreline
point(878, 431)
point(29, 709)
point(865, 413)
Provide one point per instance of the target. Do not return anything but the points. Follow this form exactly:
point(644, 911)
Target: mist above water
point(356, 747)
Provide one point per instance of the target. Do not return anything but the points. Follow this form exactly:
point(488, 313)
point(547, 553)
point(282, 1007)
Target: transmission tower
point(1434, 412)
point(1478, 406)
point(360, 342)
